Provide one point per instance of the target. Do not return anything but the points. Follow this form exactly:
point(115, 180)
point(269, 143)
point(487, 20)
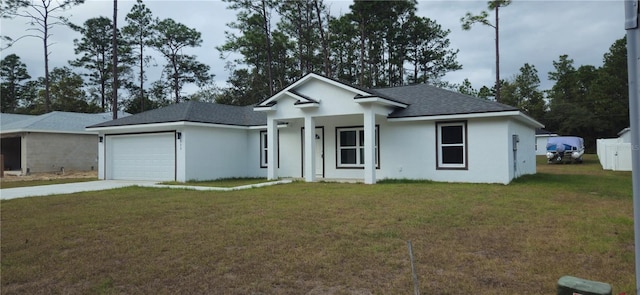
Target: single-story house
point(615, 153)
point(319, 128)
point(542, 137)
point(50, 142)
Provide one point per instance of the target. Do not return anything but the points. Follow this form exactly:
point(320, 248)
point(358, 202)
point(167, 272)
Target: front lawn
point(327, 238)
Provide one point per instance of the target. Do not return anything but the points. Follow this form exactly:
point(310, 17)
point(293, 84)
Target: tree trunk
point(141, 77)
point(114, 100)
point(267, 34)
point(362, 52)
point(497, 57)
point(176, 81)
point(325, 46)
point(299, 32)
point(103, 80)
point(47, 97)
point(415, 66)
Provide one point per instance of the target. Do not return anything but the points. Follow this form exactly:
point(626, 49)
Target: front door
point(320, 152)
point(319, 158)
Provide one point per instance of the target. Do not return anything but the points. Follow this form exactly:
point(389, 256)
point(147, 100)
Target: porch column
point(272, 149)
point(369, 145)
point(309, 149)
point(102, 141)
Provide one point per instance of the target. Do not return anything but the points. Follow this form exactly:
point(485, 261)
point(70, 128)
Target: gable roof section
point(55, 122)
point(196, 112)
point(418, 100)
point(427, 100)
point(301, 99)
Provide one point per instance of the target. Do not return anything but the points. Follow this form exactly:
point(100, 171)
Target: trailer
point(565, 149)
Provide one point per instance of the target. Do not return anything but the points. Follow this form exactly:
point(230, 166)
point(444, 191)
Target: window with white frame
point(451, 145)
point(263, 149)
point(350, 147)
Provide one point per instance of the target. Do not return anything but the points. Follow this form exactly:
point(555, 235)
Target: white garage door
point(142, 156)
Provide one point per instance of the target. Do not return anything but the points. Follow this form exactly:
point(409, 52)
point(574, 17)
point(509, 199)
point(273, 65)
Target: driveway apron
point(67, 188)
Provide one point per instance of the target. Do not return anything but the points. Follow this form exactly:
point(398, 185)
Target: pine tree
point(12, 73)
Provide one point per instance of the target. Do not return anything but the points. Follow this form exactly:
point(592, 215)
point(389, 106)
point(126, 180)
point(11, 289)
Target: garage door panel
point(143, 157)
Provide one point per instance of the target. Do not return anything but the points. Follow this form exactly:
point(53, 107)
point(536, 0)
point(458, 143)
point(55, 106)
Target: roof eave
point(512, 113)
point(169, 125)
point(86, 132)
point(379, 100)
point(529, 120)
point(307, 105)
point(265, 108)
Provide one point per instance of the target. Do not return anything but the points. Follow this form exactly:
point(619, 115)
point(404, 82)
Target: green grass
point(14, 184)
point(327, 238)
point(224, 182)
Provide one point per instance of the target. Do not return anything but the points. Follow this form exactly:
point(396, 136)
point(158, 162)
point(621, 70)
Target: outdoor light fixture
point(100, 138)
point(179, 135)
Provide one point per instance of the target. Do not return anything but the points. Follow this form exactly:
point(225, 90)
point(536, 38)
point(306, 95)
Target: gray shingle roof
point(12, 118)
point(427, 100)
point(422, 100)
point(193, 111)
point(66, 122)
point(540, 131)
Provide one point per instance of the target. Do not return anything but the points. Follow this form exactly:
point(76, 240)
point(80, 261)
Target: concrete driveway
point(68, 188)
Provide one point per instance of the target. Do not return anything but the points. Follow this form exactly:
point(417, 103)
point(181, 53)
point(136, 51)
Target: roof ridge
point(187, 110)
point(36, 119)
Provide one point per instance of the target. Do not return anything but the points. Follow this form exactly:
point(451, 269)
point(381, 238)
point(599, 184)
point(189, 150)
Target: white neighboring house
point(318, 128)
point(49, 142)
point(542, 137)
point(615, 153)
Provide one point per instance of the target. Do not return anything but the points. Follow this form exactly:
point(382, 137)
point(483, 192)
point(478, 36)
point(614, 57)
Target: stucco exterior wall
point(525, 156)
point(409, 151)
point(213, 153)
point(50, 152)
point(290, 150)
point(252, 154)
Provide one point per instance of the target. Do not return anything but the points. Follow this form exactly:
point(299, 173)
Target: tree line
point(371, 46)
point(86, 85)
point(587, 101)
point(375, 44)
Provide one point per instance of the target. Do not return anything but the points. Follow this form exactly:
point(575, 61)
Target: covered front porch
point(337, 148)
point(337, 126)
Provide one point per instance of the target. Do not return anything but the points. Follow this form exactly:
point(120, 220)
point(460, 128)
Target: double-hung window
point(451, 145)
point(350, 147)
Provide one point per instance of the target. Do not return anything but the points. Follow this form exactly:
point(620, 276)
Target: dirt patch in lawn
point(49, 176)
